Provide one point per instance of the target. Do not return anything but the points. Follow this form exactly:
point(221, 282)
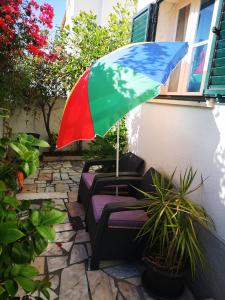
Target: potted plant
point(172, 242)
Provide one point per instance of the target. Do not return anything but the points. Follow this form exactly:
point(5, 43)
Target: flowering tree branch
point(24, 27)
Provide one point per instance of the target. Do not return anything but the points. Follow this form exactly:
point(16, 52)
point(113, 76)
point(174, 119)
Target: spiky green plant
point(172, 241)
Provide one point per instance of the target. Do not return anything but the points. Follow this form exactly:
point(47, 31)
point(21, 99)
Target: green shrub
point(24, 233)
point(105, 147)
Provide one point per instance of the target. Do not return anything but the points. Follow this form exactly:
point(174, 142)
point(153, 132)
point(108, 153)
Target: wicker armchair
point(114, 221)
point(129, 165)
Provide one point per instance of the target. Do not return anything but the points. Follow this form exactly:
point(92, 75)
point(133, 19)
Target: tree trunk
point(46, 112)
point(79, 146)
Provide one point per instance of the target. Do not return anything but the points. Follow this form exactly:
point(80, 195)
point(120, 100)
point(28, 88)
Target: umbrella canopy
point(115, 84)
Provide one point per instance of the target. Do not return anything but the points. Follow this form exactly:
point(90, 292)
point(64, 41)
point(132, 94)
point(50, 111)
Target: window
point(189, 20)
point(200, 45)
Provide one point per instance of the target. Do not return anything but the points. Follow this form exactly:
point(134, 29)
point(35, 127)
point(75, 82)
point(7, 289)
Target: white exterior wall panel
point(170, 136)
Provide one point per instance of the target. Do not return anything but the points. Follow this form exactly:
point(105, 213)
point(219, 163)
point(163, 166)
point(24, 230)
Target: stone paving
point(66, 259)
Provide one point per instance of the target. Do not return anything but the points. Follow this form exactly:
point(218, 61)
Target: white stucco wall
point(170, 136)
point(23, 122)
point(143, 3)
point(100, 7)
point(74, 7)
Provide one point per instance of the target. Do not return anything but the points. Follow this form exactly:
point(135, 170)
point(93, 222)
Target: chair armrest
point(124, 206)
point(99, 185)
point(113, 174)
point(97, 162)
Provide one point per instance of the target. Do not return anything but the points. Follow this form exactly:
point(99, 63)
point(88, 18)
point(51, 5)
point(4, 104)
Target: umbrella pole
point(117, 153)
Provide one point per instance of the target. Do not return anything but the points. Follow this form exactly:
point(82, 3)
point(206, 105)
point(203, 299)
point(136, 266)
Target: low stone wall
point(21, 121)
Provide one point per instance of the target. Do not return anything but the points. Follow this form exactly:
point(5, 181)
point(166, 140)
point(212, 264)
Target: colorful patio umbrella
point(115, 84)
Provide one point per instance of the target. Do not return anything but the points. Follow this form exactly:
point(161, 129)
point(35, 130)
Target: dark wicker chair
point(112, 221)
point(129, 165)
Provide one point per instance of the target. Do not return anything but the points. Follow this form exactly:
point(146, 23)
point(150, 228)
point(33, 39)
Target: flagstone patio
point(66, 260)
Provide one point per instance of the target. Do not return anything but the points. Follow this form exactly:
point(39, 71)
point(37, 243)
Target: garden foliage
point(86, 41)
point(105, 147)
point(24, 232)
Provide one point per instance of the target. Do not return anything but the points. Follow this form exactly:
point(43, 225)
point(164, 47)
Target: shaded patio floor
point(66, 260)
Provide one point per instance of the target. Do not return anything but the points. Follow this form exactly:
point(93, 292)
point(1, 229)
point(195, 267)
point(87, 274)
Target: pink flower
point(46, 15)
point(21, 28)
point(34, 4)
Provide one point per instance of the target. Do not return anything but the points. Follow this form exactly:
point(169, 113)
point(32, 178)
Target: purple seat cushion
point(88, 178)
point(131, 218)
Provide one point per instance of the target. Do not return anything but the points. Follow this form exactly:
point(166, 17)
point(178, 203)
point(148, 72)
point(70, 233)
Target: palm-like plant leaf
point(170, 229)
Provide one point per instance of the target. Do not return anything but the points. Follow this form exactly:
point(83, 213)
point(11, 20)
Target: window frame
point(212, 90)
point(189, 37)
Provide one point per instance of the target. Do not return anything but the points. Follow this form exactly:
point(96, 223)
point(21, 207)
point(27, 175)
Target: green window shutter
point(215, 79)
point(143, 23)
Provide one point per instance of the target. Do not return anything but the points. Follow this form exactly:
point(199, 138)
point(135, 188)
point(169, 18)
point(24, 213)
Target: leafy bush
point(105, 147)
point(24, 233)
point(86, 41)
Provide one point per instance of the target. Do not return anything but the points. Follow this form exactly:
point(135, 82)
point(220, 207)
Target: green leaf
point(24, 166)
point(0, 250)
point(33, 167)
point(16, 148)
point(44, 283)
point(35, 218)
point(22, 253)
point(11, 287)
point(12, 201)
point(40, 244)
point(29, 155)
point(47, 232)
point(2, 290)
point(15, 270)
point(10, 215)
point(42, 144)
point(53, 217)
point(9, 235)
point(28, 271)
point(24, 205)
point(45, 293)
point(4, 141)
point(27, 284)
point(3, 187)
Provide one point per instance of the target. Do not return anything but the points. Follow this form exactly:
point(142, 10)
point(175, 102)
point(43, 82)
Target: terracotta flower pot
point(20, 179)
